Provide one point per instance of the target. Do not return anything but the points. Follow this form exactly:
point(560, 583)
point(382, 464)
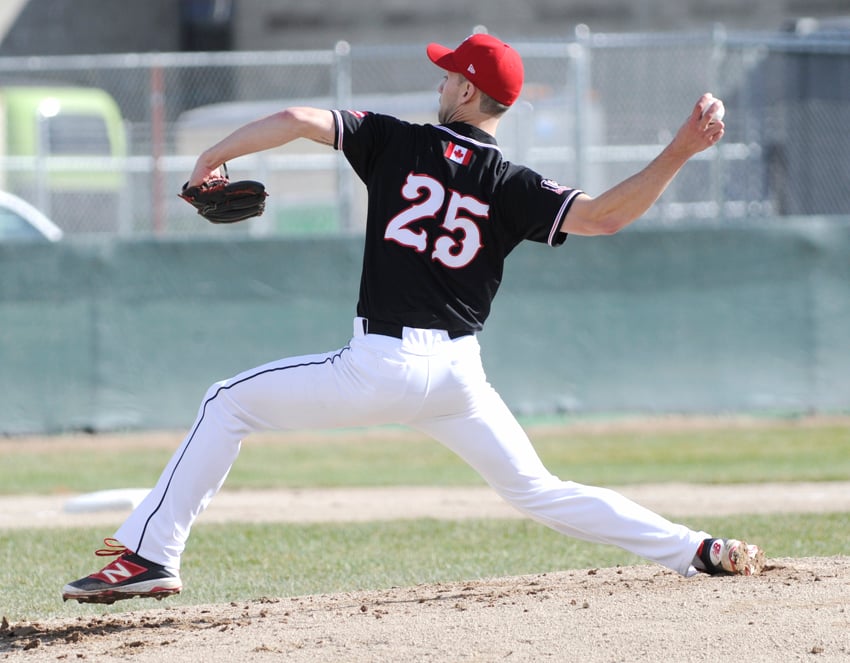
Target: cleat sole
point(108, 598)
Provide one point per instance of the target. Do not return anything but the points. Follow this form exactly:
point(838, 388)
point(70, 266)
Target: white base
point(106, 500)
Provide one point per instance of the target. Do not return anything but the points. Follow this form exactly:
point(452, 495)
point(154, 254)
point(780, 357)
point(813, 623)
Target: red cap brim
point(442, 57)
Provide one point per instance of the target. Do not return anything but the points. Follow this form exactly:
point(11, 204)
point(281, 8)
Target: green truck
point(64, 149)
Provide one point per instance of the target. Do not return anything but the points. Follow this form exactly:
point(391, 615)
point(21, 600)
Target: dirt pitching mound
point(799, 609)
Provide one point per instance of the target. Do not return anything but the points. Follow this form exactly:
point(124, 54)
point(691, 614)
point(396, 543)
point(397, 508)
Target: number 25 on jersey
point(455, 248)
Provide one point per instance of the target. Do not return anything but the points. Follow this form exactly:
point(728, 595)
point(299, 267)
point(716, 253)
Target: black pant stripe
point(331, 359)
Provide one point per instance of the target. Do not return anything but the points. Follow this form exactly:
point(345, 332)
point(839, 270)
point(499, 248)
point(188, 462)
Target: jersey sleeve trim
point(340, 129)
point(556, 235)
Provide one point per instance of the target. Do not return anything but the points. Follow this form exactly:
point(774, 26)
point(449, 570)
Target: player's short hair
point(490, 106)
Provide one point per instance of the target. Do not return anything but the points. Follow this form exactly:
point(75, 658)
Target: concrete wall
point(60, 27)
point(46, 27)
point(285, 24)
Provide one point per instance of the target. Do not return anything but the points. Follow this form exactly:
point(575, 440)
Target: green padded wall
point(129, 335)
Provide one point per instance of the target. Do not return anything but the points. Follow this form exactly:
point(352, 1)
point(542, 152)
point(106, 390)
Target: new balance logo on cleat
point(127, 577)
point(120, 569)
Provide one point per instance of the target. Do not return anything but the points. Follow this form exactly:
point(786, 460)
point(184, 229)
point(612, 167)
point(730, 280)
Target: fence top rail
point(827, 42)
point(166, 60)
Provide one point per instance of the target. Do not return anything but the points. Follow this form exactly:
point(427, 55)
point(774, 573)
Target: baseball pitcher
point(445, 209)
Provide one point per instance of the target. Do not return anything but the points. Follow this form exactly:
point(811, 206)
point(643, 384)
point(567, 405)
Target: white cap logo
point(471, 69)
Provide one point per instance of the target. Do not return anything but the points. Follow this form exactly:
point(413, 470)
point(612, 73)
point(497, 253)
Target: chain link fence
point(102, 144)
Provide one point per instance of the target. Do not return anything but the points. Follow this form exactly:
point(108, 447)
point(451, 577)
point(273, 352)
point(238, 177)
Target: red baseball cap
point(488, 63)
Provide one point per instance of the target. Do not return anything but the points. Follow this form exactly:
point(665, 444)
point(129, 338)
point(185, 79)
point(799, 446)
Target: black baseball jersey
point(444, 210)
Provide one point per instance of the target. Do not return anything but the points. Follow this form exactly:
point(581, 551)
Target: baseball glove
point(221, 201)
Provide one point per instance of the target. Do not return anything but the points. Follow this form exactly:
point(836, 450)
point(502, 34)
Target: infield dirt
point(796, 611)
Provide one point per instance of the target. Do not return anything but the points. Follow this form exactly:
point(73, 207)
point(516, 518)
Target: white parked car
point(21, 221)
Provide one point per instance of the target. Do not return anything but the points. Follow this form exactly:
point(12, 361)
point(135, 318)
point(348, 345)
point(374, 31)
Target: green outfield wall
point(129, 335)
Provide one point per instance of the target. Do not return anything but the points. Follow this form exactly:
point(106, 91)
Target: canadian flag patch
point(458, 154)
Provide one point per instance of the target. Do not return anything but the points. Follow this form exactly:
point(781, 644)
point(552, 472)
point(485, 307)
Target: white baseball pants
point(424, 380)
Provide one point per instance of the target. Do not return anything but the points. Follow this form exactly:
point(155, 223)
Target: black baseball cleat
point(127, 577)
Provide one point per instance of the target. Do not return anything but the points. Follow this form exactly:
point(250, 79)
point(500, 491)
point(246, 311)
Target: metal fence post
point(157, 107)
point(42, 152)
point(718, 54)
point(580, 52)
point(342, 95)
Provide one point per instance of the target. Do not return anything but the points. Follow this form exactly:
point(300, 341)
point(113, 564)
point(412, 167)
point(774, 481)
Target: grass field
point(758, 451)
point(232, 562)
